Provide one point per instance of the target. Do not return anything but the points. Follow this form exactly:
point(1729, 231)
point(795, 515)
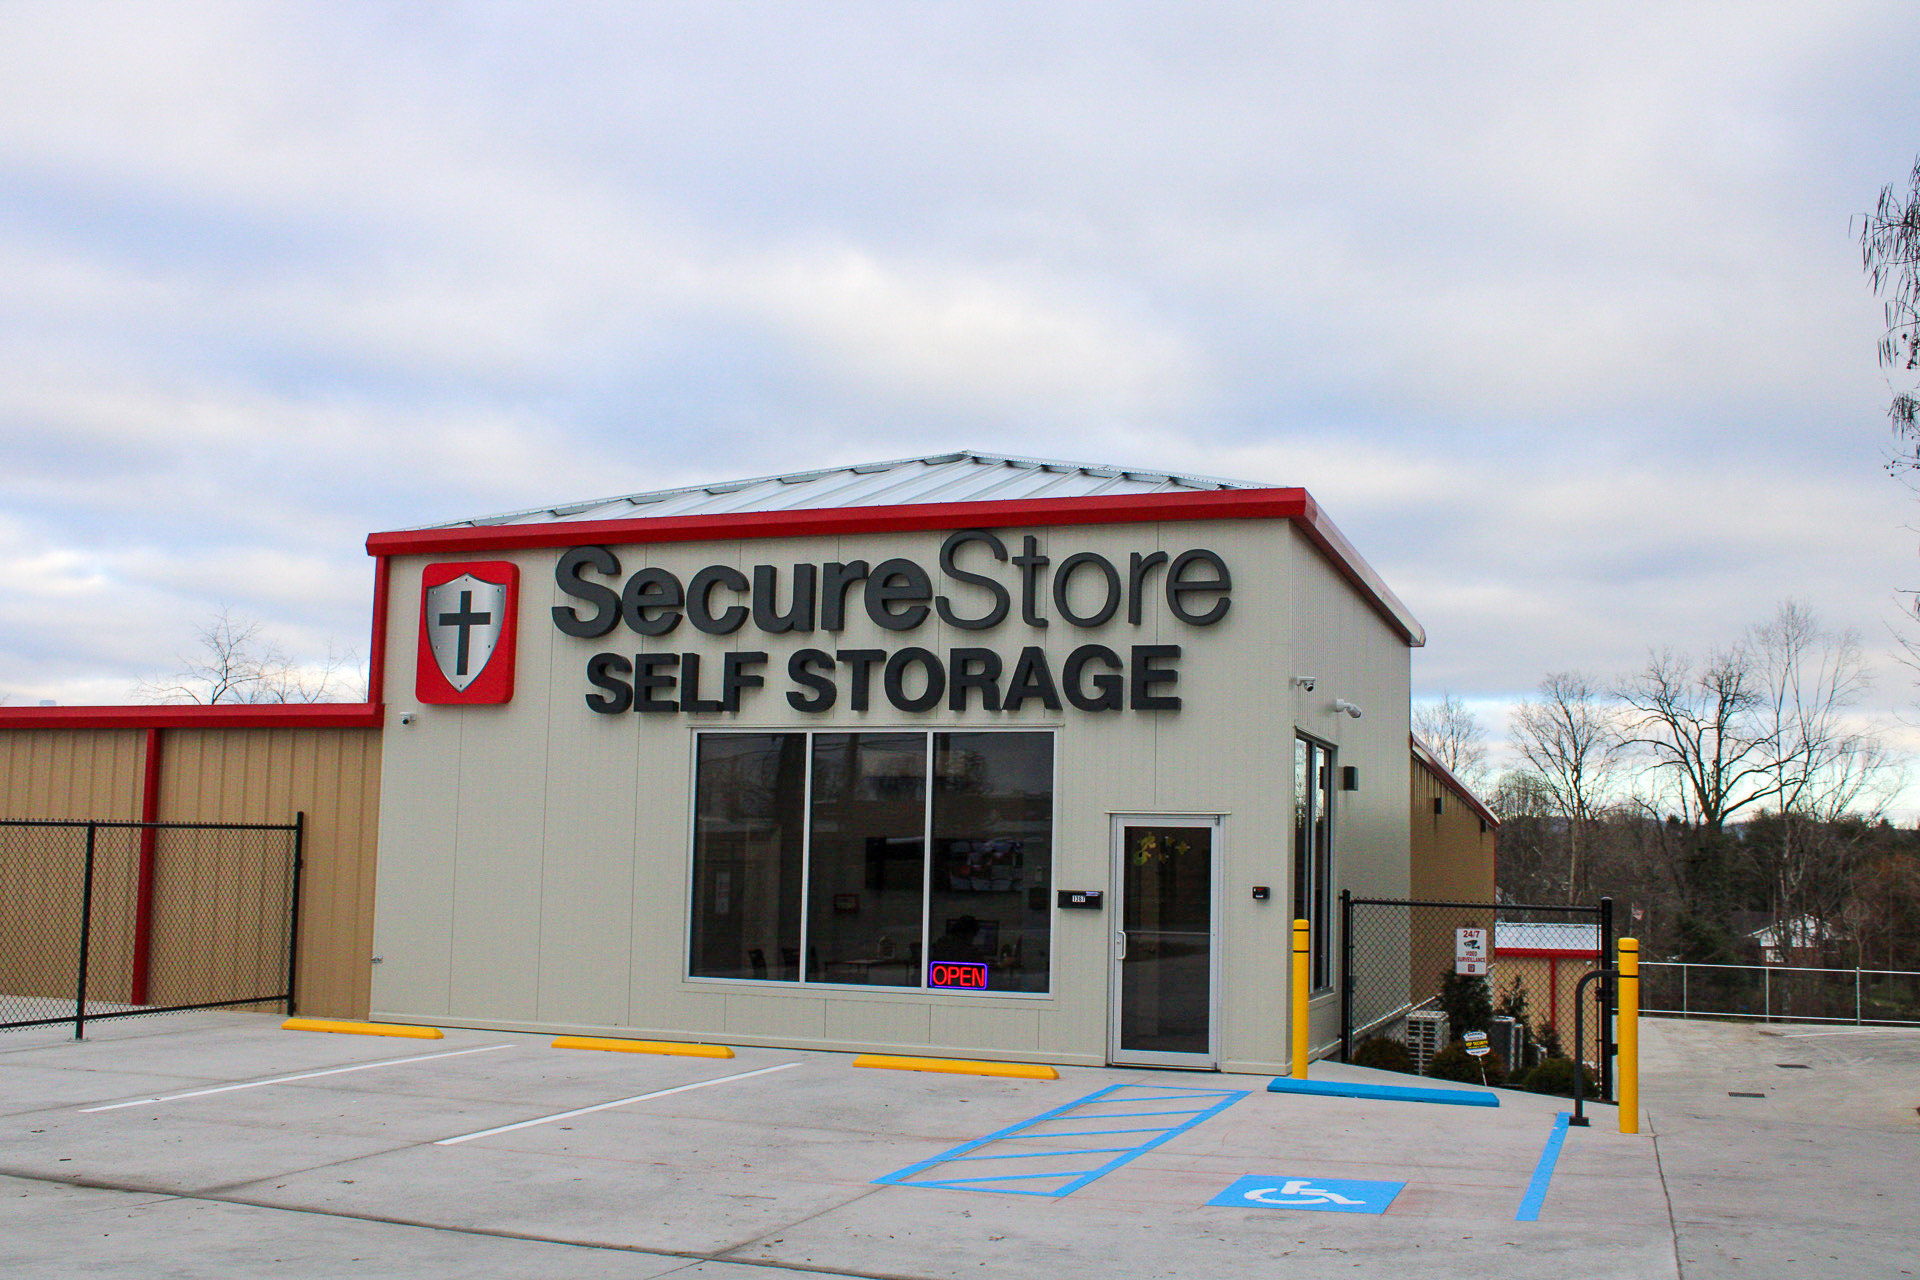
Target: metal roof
point(945, 477)
point(1424, 754)
point(1581, 939)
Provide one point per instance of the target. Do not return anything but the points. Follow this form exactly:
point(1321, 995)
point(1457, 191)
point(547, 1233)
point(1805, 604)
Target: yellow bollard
point(1302, 983)
point(1629, 1033)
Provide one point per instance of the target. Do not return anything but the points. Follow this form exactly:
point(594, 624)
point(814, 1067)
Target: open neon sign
point(957, 975)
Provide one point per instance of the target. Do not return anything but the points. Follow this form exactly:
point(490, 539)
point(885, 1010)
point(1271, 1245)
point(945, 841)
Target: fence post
point(1856, 991)
point(1607, 994)
point(1302, 986)
point(1766, 994)
point(86, 939)
point(1684, 1011)
point(293, 907)
point(1346, 975)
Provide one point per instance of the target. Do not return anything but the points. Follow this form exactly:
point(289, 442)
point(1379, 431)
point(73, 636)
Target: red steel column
point(143, 895)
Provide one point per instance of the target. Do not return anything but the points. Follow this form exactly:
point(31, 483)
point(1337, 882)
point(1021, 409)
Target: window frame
point(801, 981)
point(1317, 897)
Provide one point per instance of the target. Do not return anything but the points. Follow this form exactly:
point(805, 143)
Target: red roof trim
point(248, 715)
point(1214, 504)
point(1451, 783)
point(1547, 953)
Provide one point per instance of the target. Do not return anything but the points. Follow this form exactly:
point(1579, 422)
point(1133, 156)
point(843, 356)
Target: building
point(950, 754)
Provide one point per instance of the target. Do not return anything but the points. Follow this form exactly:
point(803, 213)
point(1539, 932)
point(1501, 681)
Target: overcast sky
point(1555, 308)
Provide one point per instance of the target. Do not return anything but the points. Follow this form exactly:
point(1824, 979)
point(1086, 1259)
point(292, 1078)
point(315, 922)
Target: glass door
point(1165, 952)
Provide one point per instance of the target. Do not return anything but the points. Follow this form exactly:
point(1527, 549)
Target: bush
point(1555, 1075)
point(1455, 1063)
point(1382, 1054)
point(1467, 1001)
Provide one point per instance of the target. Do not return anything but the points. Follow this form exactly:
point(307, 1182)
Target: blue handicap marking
point(1330, 1195)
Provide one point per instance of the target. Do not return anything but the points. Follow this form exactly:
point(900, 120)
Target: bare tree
point(1890, 254)
point(235, 664)
point(1571, 743)
point(1453, 733)
point(1704, 726)
point(1825, 763)
point(1833, 776)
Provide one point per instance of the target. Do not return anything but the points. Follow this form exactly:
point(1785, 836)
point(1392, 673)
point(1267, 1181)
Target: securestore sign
point(969, 591)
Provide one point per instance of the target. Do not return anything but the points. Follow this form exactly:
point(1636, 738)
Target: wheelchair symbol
point(1323, 1195)
point(1304, 1192)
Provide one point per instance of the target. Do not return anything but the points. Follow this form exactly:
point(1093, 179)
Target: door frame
point(1117, 823)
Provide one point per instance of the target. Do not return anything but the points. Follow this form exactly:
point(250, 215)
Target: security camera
point(1304, 682)
point(407, 718)
point(1341, 704)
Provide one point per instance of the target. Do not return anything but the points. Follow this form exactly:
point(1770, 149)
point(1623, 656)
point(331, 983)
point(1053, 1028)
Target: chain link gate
point(116, 919)
point(1397, 958)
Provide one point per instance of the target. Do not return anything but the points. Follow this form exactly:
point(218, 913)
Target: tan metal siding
point(268, 775)
point(1452, 851)
point(53, 774)
point(71, 773)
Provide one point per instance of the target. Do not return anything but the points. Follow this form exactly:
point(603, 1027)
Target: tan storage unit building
point(953, 754)
point(1453, 834)
point(182, 765)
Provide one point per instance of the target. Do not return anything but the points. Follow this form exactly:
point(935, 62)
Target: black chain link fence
point(113, 919)
point(1398, 970)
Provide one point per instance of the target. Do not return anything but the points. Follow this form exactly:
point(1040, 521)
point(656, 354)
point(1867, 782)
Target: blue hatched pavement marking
point(1028, 1130)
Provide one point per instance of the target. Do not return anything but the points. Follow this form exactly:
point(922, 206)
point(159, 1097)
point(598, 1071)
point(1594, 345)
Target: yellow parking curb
point(645, 1046)
point(959, 1066)
point(362, 1028)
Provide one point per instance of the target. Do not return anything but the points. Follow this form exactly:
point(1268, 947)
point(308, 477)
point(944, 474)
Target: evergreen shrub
point(1555, 1076)
point(1455, 1063)
point(1382, 1054)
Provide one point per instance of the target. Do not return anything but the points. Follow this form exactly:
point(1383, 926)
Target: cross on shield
point(464, 621)
point(467, 632)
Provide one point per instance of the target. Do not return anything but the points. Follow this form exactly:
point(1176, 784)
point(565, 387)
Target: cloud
point(1555, 311)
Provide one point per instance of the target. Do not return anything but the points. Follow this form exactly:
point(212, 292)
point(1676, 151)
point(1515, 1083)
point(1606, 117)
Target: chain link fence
point(112, 919)
point(1398, 968)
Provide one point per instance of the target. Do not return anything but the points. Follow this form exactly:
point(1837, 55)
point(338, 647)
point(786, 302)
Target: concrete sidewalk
point(383, 1160)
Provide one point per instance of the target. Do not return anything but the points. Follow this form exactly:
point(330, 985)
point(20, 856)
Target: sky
point(1556, 310)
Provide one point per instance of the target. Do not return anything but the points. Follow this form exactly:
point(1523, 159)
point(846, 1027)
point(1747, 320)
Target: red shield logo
point(467, 632)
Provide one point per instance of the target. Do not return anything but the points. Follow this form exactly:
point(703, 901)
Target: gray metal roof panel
point(946, 477)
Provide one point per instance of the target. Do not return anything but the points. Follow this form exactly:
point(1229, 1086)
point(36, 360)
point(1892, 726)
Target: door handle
point(1120, 940)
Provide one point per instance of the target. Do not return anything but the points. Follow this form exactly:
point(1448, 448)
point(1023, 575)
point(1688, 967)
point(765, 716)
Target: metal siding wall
point(60, 774)
point(71, 773)
point(419, 808)
point(268, 775)
point(1229, 751)
point(537, 854)
point(1353, 654)
point(1452, 859)
point(228, 775)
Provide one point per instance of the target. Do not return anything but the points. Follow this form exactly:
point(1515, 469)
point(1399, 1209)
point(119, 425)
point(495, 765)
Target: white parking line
point(621, 1102)
point(1852, 1031)
point(305, 1075)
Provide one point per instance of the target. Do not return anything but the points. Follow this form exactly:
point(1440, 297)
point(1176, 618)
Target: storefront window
point(867, 864)
point(748, 837)
point(1313, 850)
point(992, 854)
point(970, 911)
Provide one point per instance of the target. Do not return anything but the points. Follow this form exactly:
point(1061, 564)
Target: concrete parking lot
point(220, 1145)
